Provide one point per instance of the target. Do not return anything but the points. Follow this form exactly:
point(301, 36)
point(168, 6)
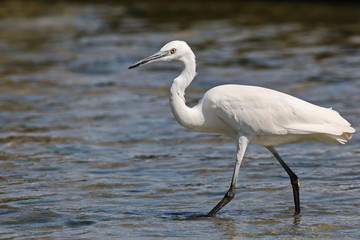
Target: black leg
point(241, 147)
point(230, 194)
point(293, 179)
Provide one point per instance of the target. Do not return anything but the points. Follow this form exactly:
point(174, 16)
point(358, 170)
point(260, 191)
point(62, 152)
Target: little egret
point(249, 114)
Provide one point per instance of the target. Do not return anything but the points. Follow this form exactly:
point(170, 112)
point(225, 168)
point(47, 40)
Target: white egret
point(249, 114)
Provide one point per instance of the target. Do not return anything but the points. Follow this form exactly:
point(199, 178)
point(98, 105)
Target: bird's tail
point(326, 133)
point(343, 138)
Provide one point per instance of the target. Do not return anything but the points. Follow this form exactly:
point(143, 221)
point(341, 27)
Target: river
point(90, 149)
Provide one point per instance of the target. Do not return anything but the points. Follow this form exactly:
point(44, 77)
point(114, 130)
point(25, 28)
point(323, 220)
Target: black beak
point(149, 59)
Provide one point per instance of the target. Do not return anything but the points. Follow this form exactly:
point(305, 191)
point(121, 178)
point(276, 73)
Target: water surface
point(90, 149)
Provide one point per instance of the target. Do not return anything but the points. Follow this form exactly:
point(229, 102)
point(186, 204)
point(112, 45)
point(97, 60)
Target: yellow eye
point(172, 51)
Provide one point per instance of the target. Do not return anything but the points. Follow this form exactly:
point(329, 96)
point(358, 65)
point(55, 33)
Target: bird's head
point(174, 50)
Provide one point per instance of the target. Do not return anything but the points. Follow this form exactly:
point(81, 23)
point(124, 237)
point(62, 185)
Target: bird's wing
point(255, 116)
point(260, 111)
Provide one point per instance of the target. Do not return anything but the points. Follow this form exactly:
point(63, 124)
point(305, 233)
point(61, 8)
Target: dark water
point(90, 149)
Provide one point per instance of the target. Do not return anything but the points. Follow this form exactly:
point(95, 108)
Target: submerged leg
point(293, 178)
point(241, 147)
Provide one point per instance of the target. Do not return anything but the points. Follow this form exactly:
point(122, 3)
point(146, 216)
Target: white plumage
point(272, 118)
point(249, 114)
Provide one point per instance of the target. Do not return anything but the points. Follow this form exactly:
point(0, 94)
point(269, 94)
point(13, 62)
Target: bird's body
point(249, 114)
point(268, 117)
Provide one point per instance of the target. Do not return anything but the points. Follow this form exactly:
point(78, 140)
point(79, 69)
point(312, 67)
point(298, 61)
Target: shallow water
point(90, 149)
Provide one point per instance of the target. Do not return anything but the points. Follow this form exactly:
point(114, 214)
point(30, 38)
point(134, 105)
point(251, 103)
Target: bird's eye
point(172, 51)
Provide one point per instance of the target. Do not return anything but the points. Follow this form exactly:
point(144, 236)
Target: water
point(90, 149)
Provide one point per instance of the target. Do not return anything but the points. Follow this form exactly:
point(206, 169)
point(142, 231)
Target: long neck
point(187, 117)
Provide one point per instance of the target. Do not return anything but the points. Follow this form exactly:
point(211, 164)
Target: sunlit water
point(90, 149)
